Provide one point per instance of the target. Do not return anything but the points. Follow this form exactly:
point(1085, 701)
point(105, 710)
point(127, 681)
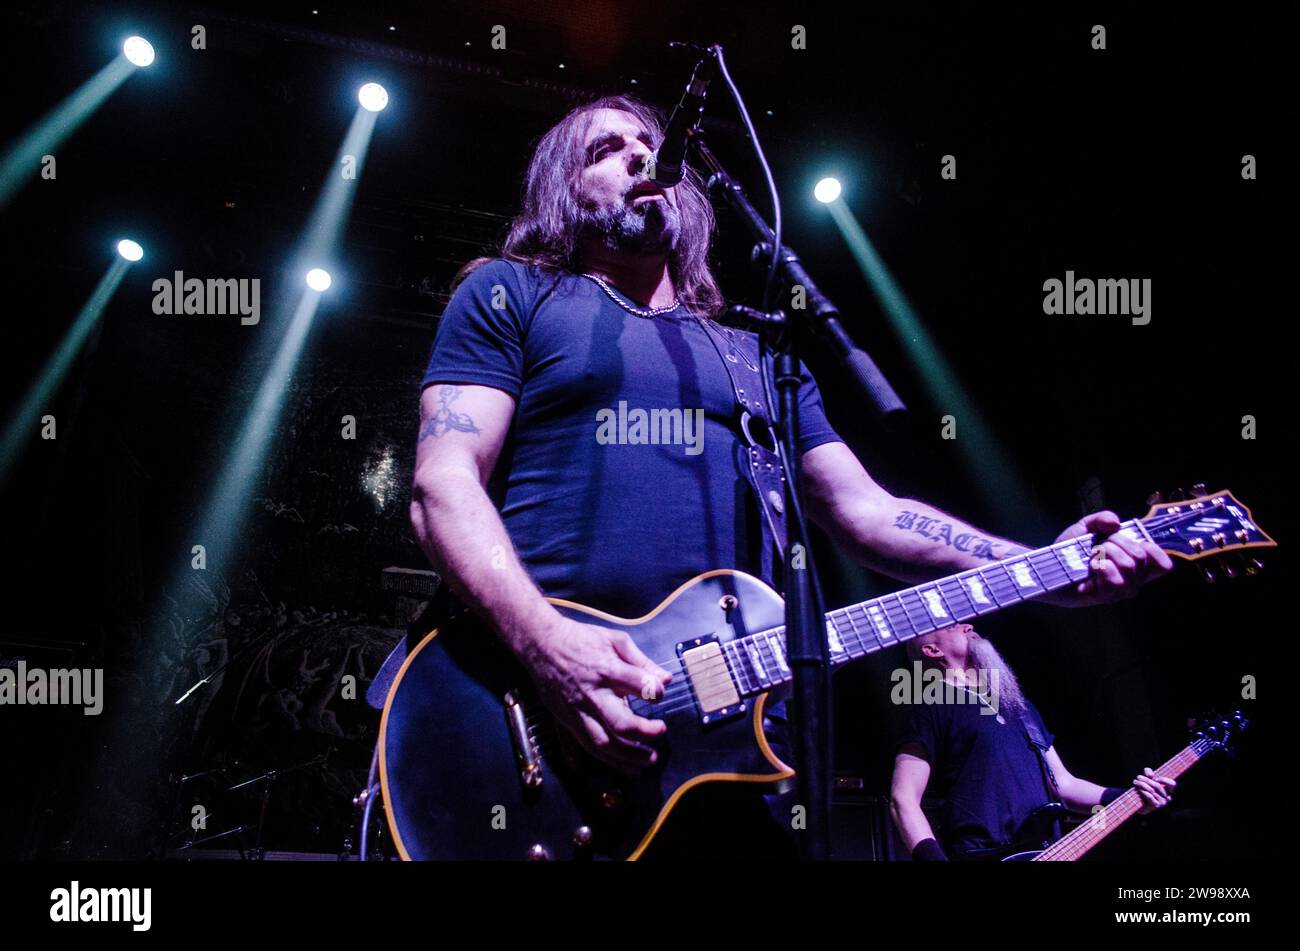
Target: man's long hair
point(545, 233)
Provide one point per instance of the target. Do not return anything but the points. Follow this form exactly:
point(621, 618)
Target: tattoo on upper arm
point(937, 531)
point(445, 419)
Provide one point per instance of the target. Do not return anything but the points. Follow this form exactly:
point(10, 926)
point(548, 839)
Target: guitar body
point(455, 775)
point(1036, 833)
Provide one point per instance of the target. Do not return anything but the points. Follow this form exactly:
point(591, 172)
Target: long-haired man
point(602, 305)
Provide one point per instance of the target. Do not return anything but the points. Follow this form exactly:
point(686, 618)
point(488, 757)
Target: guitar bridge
point(527, 756)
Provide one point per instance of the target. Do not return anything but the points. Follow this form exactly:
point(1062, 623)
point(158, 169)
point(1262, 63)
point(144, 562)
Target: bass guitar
point(1106, 819)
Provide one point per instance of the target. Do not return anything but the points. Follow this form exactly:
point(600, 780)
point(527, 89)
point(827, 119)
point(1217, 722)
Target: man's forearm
point(1081, 795)
point(461, 534)
point(913, 826)
point(913, 541)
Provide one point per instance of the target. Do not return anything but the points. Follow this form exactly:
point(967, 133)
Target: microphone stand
point(806, 643)
point(824, 315)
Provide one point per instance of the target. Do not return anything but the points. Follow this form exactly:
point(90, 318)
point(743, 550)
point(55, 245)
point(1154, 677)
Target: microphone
point(668, 164)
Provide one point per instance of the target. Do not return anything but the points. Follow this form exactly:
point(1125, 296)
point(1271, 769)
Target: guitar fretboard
point(758, 661)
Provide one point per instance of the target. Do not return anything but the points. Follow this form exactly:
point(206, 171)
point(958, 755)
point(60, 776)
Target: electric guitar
point(472, 765)
point(1108, 818)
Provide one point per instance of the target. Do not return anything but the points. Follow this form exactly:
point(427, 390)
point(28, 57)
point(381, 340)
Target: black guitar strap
point(1038, 742)
point(762, 463)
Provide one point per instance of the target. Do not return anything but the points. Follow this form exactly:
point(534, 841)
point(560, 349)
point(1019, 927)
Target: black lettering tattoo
point(445, 419)
point(937, 531)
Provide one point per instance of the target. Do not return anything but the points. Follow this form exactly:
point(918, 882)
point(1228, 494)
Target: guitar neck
point(1122, 808)
point(861, 629)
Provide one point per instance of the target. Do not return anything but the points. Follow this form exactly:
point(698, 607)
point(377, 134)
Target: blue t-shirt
point(608, 506)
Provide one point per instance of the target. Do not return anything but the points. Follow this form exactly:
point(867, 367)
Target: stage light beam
point(41, 393)
point(225, 511)
point(998, 481)
point(23, 162)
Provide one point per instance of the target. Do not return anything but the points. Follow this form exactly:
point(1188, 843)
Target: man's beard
point(651, 227)
point(983, 656)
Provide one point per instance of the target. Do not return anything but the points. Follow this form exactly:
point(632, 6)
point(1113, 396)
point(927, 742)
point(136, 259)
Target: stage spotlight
point(318, 279)
point(827, 190)
point(373, 97)
point(130, 250)
point(138, 51)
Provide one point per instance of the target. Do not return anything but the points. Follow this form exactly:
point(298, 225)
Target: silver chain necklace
point(984, 702)
point(647, 312)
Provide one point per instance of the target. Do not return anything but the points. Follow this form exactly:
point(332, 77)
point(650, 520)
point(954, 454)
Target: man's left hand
point(1156, 791)
point(1120, 565)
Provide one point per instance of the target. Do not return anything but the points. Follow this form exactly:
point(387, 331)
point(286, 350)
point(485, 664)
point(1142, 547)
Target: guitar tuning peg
point(1229, 571)
point(1199, 489)
point(1207, 573)
point(1155, 498)
point(1254, 566)
point(1178, 495)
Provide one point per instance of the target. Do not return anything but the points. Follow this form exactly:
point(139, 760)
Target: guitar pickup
point(710, 678)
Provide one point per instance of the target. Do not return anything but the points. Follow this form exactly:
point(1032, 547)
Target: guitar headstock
point(1206, 525)
point(1216, 732)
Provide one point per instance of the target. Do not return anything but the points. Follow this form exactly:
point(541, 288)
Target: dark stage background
point(1122, 163)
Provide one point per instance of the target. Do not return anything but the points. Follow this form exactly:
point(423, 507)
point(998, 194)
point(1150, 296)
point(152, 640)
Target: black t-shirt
point(595, 516)
point(987, 774)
